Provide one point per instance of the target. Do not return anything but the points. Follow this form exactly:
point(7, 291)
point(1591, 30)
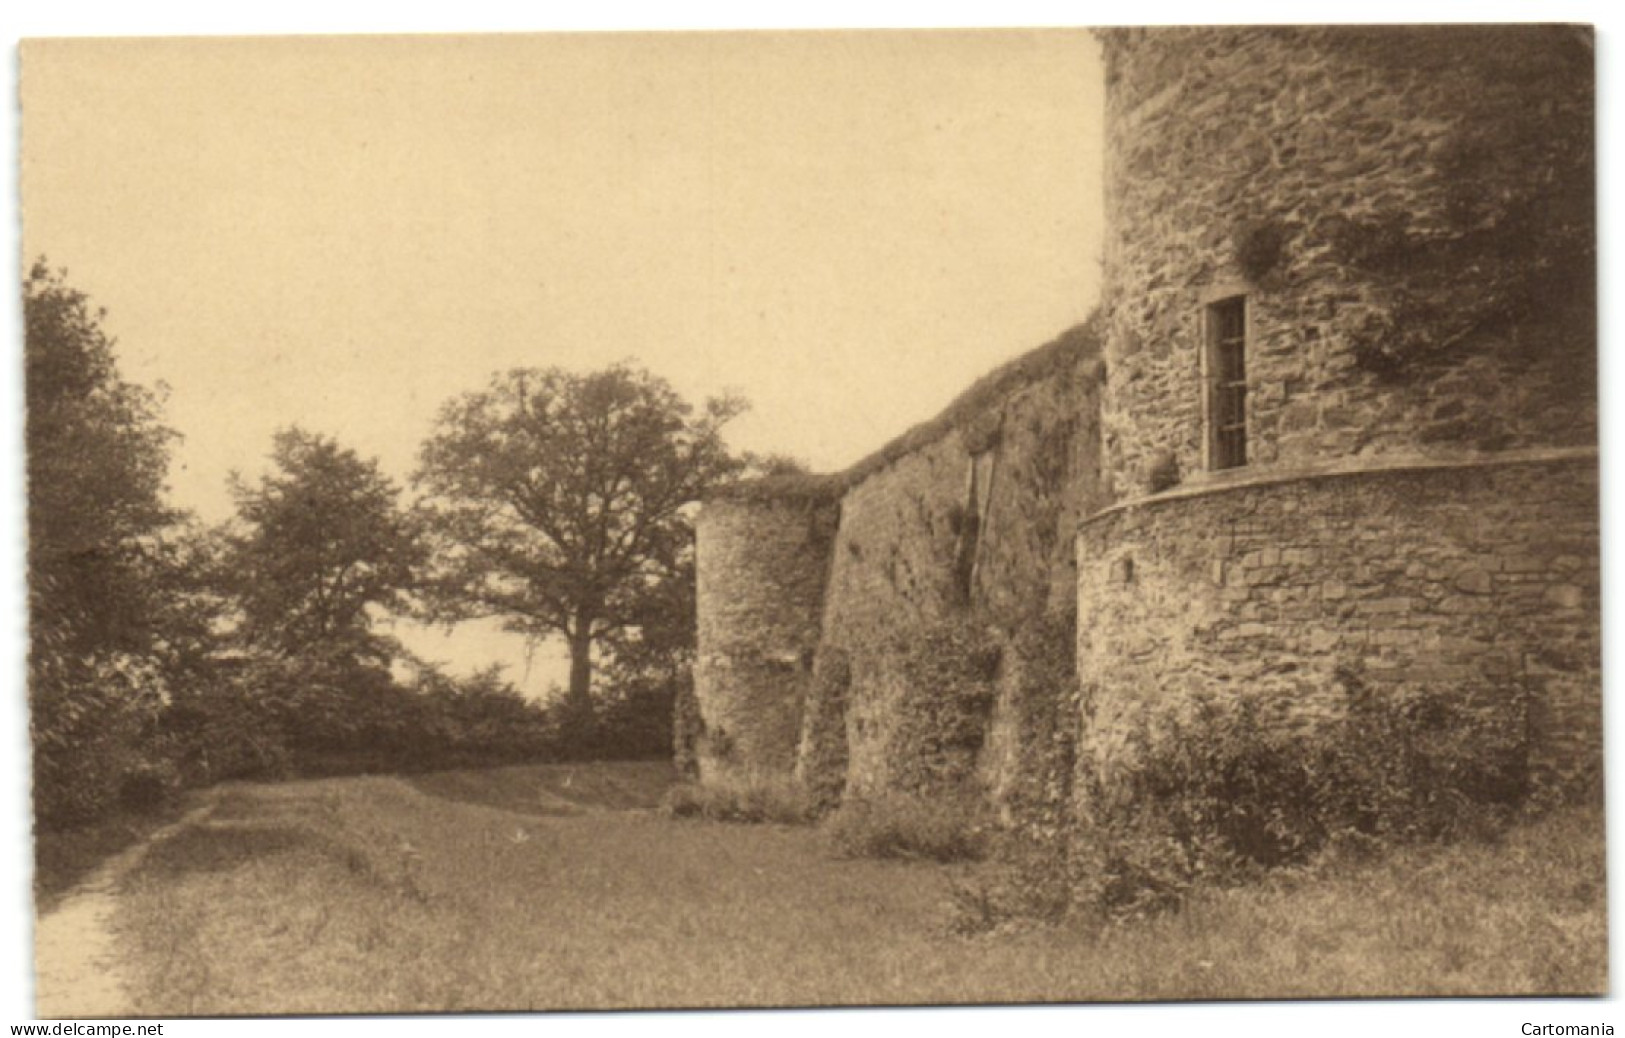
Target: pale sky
point(341, 233)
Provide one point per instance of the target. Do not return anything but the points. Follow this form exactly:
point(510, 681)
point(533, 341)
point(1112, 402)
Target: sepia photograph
point(569, 521)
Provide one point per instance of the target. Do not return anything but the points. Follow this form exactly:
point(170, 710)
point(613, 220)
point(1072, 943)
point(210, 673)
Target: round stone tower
point(762, 562)
point(1349, 417)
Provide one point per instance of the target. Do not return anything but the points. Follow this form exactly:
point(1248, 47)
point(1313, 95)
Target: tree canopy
point(557, 502)
point(321, 540)
point(97, 460)
point(101, 555)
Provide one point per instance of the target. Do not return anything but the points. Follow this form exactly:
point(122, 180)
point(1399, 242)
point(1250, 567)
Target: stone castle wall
point(1425, 581)
point(1279, 163)
point(893, 575)
point(760, 575)
point(1411, 508)
point(1418, 509)
point(975, 525)
point(967, 519)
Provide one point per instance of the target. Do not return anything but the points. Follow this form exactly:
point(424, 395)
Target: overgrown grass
point(556, 789)
point(1523, 916)
point(943, 829)
point(66, 856)
point(366, 895)
point(751, 800)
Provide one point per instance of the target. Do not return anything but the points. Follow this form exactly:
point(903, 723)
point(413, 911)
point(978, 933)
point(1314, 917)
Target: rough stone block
point(1565, 596)
point(1385, 605)
point(1522, 564)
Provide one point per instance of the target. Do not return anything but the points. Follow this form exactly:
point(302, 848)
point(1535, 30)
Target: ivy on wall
point(1044, 699)
point(944, 705)
point(1512, 242)
point(821, 762)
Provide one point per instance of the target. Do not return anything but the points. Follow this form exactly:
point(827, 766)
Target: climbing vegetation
point(944, 705)
point(1511, 242)
point(1224, 791)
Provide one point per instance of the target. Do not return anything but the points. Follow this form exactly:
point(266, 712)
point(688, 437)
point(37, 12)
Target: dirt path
point(77, 973)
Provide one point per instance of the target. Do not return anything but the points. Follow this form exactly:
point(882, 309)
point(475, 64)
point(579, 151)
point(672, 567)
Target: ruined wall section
point(1347, 181)
point(892, 576)
point(973, 527)
point(1045, 478)
point(1433, 581)
point(761, 567)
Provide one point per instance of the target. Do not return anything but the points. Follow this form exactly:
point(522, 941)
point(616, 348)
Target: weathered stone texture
point(1426, 516)
point(892, 573)
point(971, 516)
point(1428, 580)
point(904, 537)
point(1300, 130)
point(1044, 478)
point(761, 567)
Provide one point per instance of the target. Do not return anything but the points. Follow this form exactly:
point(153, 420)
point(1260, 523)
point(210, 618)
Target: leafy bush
point(938, 828)
point(1237, 772)
point(93, 731)
point(267, 716)
point(1230, 787)
point(482, 719)
point(1230, 771)
point(234, 725)
point(751, 800)
point(1124, 867)
point(634, 718)
point(1426, 767)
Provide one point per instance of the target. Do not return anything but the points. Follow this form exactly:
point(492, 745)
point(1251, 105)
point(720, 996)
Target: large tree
point(97, 459)
point(321, 541)
point(558, 503)
point(100, 555)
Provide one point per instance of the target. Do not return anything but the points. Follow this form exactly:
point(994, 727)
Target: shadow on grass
point(63, 859)
point(217, 850)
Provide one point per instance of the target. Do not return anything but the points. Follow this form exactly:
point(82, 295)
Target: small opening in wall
point(1123, 570)
point(1227, 383)
point(969, 522)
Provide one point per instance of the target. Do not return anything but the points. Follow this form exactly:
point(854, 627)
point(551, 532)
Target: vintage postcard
point(589, 521)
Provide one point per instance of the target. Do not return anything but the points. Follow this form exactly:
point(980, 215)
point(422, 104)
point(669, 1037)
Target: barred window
point(1227, 383)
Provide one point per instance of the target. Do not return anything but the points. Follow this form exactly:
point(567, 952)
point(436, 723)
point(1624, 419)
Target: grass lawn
point(536, 888)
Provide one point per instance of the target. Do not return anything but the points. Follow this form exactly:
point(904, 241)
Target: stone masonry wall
point(1238, 160)
point(1426, 579)
point(901, 565)
point(818, 594)
point(760, 573)
point(891, 575)
point(1400, 210)
point(1046, 478)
